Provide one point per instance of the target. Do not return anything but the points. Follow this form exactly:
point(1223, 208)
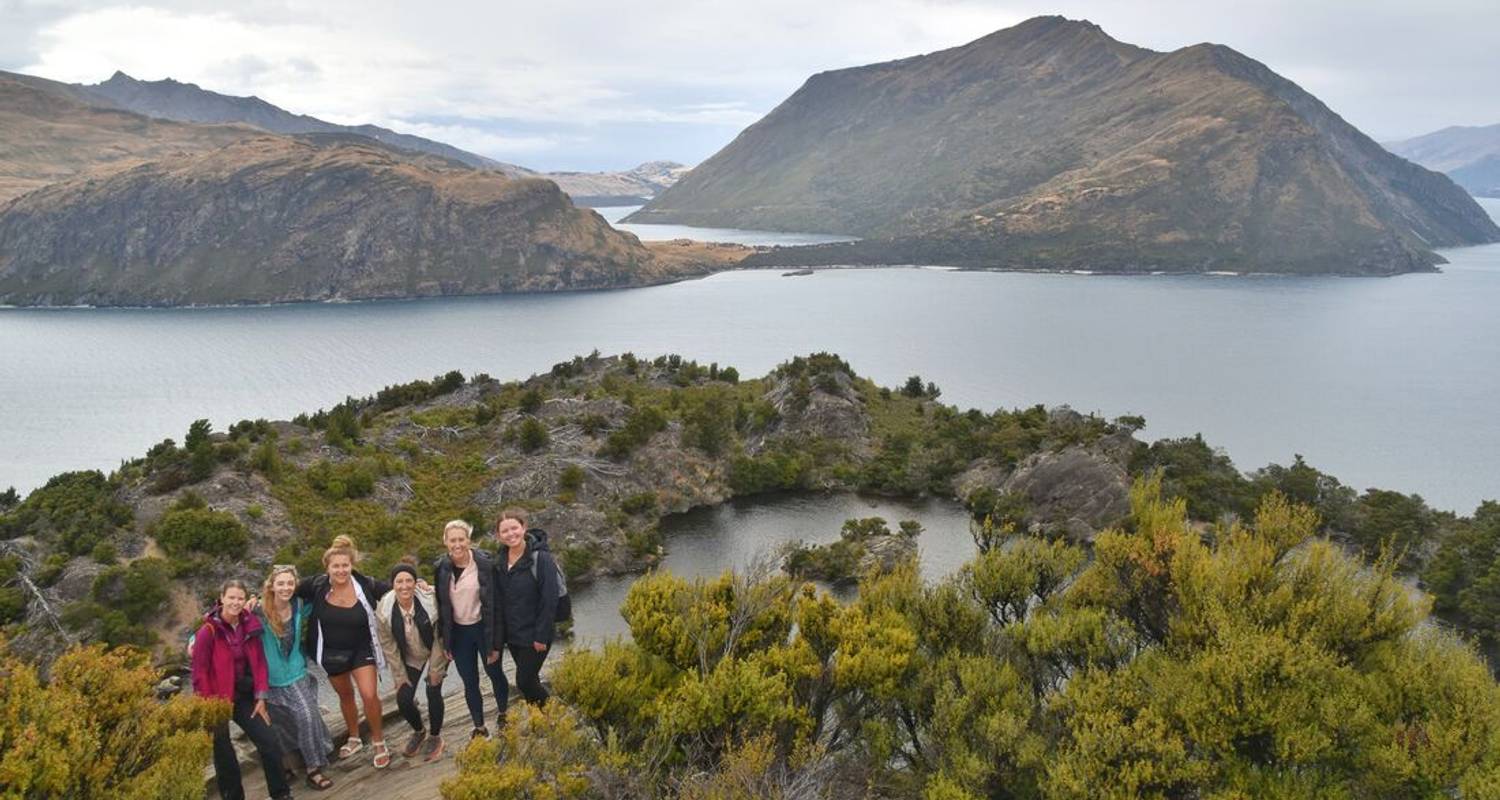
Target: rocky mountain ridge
point(283, 219)
point(1051, 145)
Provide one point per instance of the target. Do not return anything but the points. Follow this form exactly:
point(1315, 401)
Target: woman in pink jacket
point(228, 663)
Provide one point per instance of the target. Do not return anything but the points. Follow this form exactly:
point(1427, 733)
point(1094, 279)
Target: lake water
point(706, 541)
point(665, 233)
point(1383, 382)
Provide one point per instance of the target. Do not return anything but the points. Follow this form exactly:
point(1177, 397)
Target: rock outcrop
point(1051, 145)
point(279, 219)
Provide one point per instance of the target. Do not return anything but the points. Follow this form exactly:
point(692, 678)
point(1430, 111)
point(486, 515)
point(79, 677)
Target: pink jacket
point(213, 662)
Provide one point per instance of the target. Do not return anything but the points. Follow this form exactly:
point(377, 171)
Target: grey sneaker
point(414, 743)
point(434, 749)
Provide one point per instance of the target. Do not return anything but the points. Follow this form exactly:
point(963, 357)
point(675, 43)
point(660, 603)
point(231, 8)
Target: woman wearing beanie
point(408, 634)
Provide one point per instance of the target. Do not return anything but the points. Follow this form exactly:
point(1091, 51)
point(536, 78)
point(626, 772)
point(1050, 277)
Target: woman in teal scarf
point(293, 696)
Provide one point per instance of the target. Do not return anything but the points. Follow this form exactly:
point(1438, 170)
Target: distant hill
point(313, 217)
point(1052, 145)
point(187, 102)
point(51, 132)
point(619, 188)
point(1469, 155)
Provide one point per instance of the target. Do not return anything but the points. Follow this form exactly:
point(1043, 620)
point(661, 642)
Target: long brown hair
point(273, 610)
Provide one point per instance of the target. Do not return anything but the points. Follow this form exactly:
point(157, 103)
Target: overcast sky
point(592, 85)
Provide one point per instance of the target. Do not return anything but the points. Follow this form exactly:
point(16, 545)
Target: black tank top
point(344, 628)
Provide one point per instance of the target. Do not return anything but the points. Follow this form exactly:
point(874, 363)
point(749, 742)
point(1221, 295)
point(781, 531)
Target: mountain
point(50, 132)
point(187, 102)
point(619, 188)
point(313, 217)
point(1051, 145)
point(1469, 155)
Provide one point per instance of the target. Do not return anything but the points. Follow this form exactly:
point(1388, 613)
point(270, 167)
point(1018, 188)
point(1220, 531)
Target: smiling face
point(404, 585)
point(231, 603)
point(511, 532)
point(457, 541)
point(283, 586)
point(339, 568)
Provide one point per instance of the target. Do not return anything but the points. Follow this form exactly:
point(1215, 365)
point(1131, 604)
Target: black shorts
point(336, 662)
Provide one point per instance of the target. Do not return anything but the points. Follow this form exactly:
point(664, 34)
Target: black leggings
point(469, 650)
point(227, 764)
point(529, 672)
point(406, 700)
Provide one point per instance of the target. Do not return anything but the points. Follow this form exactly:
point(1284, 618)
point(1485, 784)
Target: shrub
point(346, 481)
point(100, 709)
point(104, 553)
point(184, 532)
point(637, 430)
point(640, 503)
point(571, 479)
point(73, 512)
point(531, 435)
point(139, 590)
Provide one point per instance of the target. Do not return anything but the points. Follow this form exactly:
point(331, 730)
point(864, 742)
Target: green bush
point(139, 589)
point(346, 481)
point(532, 435)
point(73, 512)
point(105, 553)
point(637, 430)
point(199, 530)
point(571, 479)
point(12, 604)
point(640, 503)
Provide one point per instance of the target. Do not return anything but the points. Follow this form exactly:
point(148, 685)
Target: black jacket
point(486, 567)
point(529, 604)
point(315, 590)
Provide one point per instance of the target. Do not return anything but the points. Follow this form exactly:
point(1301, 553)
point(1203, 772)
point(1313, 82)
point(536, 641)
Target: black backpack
point(564, 602)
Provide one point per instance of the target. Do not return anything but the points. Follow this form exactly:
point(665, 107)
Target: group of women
point(254, 652)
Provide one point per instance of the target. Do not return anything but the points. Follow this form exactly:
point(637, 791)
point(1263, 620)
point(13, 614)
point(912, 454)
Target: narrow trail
point(355, 778)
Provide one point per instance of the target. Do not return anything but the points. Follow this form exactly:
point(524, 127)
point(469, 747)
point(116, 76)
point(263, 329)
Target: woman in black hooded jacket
point(526, 590)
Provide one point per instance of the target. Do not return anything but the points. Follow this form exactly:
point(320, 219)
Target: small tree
point(913, 386)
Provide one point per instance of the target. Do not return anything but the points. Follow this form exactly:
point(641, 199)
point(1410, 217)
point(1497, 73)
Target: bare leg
point(345, 689)
point(365, 678)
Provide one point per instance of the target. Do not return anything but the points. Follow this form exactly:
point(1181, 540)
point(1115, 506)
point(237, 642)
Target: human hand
point(539, 647)
point(423, 585)
point(493, 657)
point(260, 711)
point(252, 602)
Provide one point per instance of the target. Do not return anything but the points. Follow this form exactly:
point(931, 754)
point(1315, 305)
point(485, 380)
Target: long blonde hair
point(342, 546)
point(273, 611)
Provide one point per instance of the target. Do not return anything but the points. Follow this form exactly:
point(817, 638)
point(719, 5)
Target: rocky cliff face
point(1051, 145)
point(273, 219)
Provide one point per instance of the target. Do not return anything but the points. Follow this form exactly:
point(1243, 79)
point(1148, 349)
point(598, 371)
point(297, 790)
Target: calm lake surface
point(706, 541)
point(1383, 382)
point(664, 233)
